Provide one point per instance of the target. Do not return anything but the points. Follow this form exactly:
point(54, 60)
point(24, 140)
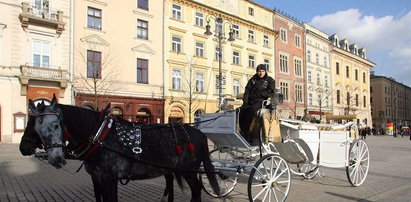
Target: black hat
point(261, 67)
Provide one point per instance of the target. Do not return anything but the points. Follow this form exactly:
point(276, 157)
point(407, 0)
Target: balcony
point(47, 17)
point(47, 74)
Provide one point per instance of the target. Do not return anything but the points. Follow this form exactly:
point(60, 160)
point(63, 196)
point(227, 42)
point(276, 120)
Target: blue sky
point(383, 27)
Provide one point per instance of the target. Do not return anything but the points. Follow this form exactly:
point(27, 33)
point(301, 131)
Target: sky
point(383, 27)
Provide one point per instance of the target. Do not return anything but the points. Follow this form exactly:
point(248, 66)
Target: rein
point(49, 146)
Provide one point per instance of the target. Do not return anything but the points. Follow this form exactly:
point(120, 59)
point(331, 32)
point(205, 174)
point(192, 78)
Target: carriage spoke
point(259, 193)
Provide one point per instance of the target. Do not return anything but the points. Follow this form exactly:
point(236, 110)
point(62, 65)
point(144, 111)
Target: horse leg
point(195, 186)
point(169, 191)
point(97, 189)
point(109, 190)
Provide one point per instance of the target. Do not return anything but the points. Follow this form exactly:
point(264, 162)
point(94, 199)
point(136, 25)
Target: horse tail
point(209, 170)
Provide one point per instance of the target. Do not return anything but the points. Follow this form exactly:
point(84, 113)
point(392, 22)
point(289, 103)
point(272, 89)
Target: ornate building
point(34, 59)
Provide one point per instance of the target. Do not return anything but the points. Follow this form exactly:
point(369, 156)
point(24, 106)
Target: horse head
point(47, 125)
point(31, 139)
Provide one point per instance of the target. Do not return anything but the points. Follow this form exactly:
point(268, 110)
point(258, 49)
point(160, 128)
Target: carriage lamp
point(220, 35)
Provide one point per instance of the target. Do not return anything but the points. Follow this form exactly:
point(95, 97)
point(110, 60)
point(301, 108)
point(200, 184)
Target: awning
point(341, 117)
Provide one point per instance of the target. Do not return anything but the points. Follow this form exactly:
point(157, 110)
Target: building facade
point(192, 59)
point(318, 76)
point(351, 80)
point(34, 59)
point(117, 57)
point(390, 102)
point(290, 65)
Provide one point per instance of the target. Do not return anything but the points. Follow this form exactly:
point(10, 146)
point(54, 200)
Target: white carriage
point(303, 145)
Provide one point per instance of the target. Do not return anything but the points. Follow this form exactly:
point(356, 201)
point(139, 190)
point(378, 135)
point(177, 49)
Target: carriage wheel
point(270, 179)
point(309, 170)
point(358, 163)
point(227, 181)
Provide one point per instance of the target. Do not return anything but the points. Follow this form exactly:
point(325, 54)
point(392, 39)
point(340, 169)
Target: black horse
point(98, 139)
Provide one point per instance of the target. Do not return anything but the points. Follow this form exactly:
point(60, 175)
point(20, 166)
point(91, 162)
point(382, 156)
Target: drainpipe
point(163, 63)
point(71, 52)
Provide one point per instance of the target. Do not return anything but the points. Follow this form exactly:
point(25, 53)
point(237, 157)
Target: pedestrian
point(259, 88)
point(363, 132)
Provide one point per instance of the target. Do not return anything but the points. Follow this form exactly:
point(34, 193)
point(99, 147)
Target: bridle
point(49, 146)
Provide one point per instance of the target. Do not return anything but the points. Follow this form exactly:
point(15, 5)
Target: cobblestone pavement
point(389, 179)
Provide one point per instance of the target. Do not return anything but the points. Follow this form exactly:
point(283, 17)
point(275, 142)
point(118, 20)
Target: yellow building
point(34, 59)
point(191, 58)
point(351, 80)
point(118, 57)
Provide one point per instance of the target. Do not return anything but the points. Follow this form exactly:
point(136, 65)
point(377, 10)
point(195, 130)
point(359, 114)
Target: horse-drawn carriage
point(284, 147)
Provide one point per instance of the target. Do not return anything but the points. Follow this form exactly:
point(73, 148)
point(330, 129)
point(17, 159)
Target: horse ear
point(32, 107)
point(54, 98)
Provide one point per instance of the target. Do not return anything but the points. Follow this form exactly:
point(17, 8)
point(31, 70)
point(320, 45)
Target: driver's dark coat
point(258, 89)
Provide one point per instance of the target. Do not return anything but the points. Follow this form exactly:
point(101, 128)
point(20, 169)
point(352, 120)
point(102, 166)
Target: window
point(356, 74)
point(317, 59)
point(176, 44)
point(176, 80)
point(348, 99)
point(251, 61)
point(284, 89)
point(297, 67)
point(325, 61)
point(142, 70)
point(93, 64)
point(326, 102)
point(236, 87)
point(143, 4)
point(319, 100)
point(41, 53)
point(365, 101)
point(94, 18)
point(199, 19)
point(356, 100)
point(283, 63)
point(250, 35)
point(297, 41)
point(267, 64)
point(218, 57)
point(347, 71)
point(199, 49)
point(310, 99)
point(318, 79)
point(363, 77)
point(309, 56)
point(338, 97)
point(236, 30)
point(251, 11)
point(299, 93)
point(371, 89)
point(309, 76)
point(176, 12)
point(337, 68)
point(142, 29)
point(283, 35)
point(265, 41)
point(236, 58)
point(199, 82)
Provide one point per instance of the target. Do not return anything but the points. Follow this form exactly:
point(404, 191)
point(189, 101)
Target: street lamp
point(219, 33)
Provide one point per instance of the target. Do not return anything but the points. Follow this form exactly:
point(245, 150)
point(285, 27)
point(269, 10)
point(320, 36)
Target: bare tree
point(97, 80)
point(323, 95)
point(190, 85)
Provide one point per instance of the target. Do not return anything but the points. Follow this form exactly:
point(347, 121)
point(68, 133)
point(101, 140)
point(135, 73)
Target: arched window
point(117, 111)
point(143, 116)
point(38, 101)
point(198, 113)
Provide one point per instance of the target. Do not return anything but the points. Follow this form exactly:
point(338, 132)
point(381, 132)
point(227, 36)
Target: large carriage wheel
point(358, 163)
point(226, 180)
point(270, 179)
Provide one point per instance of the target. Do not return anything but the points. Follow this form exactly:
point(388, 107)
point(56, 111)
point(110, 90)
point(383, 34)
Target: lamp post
point(219, 33)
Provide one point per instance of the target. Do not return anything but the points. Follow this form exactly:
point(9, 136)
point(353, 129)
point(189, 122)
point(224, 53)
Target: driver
point(259, 88)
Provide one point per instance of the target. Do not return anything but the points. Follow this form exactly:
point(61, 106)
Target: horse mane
point(79, 120)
